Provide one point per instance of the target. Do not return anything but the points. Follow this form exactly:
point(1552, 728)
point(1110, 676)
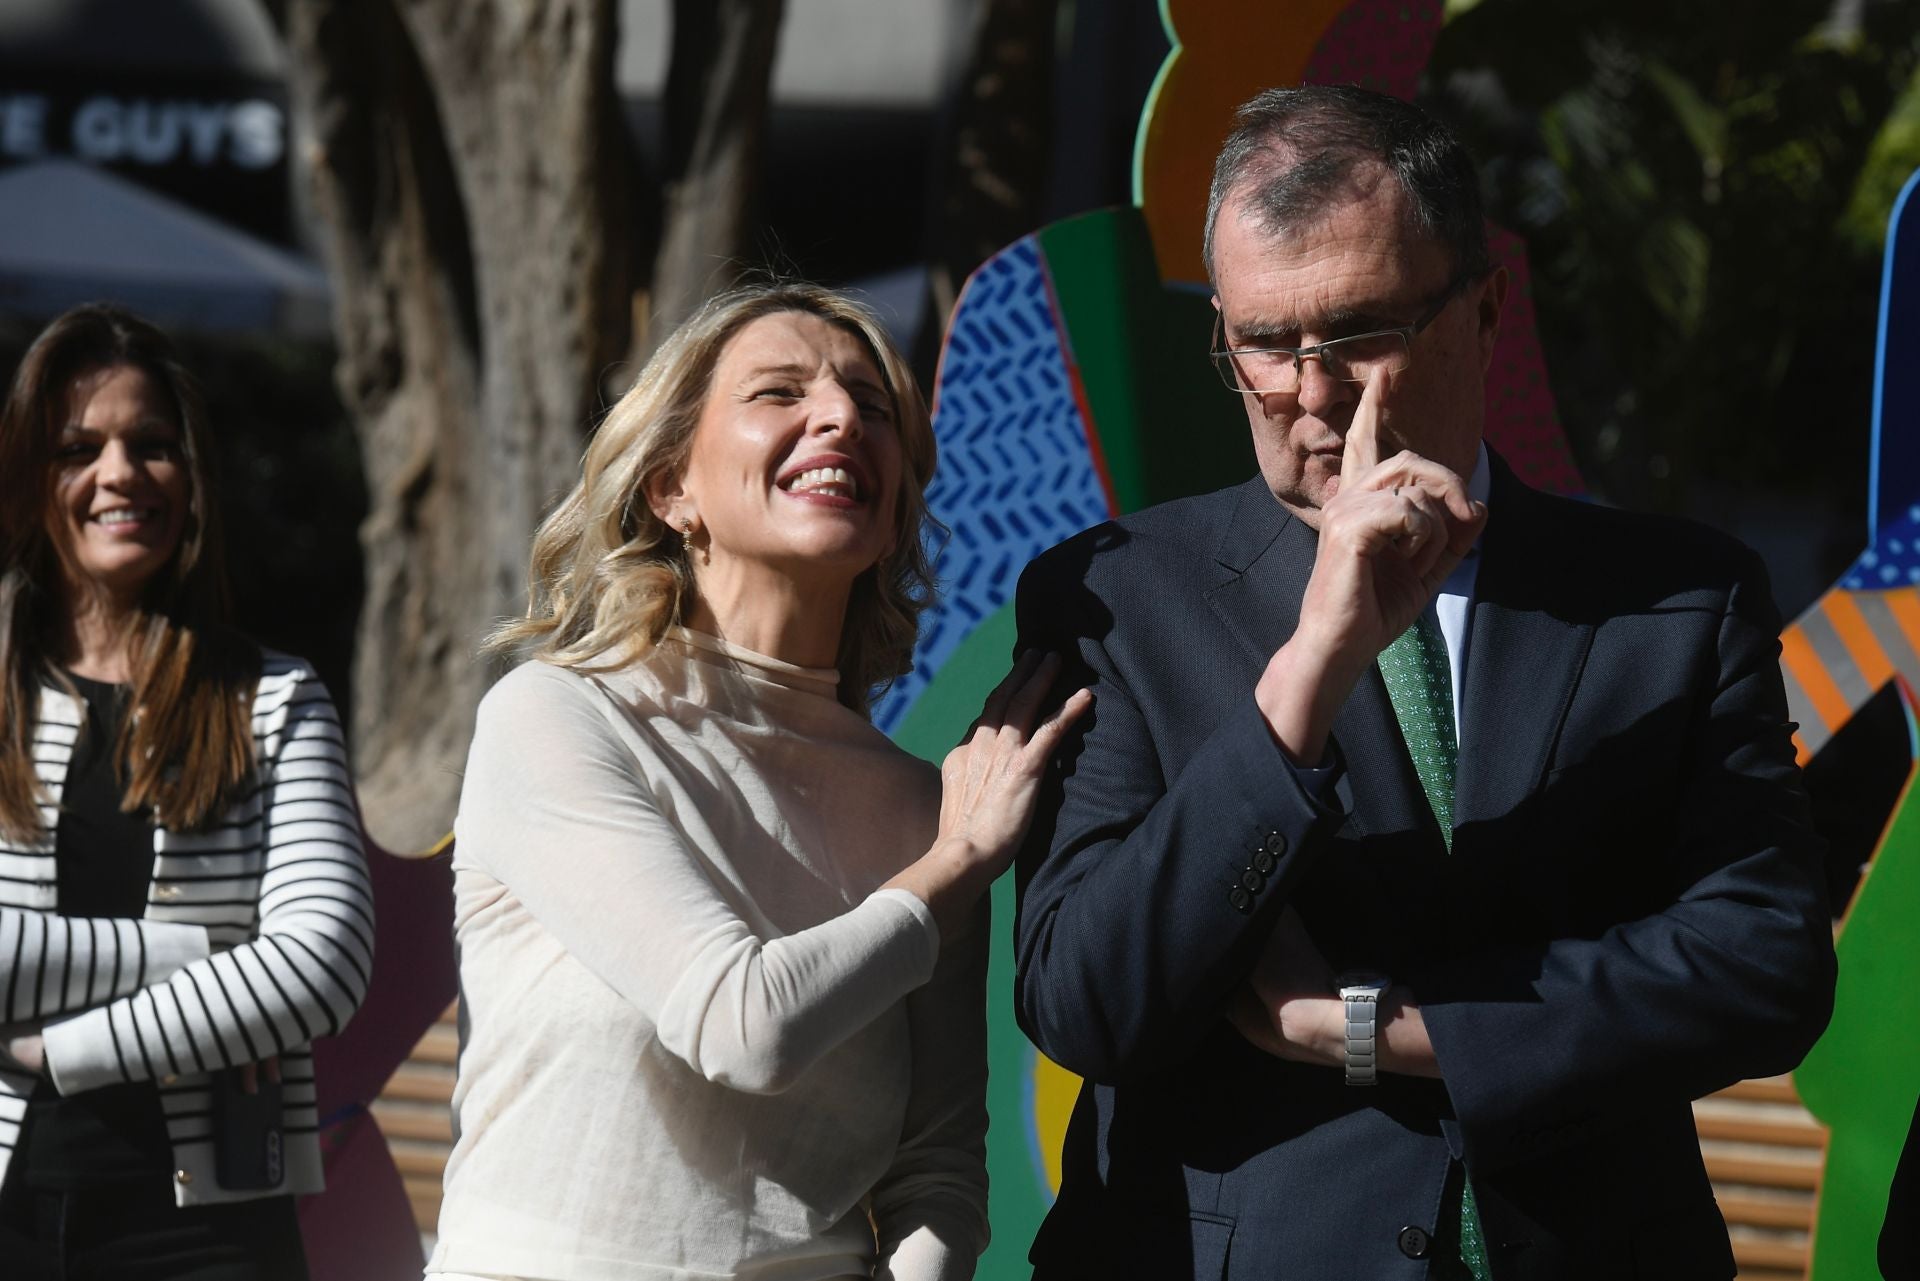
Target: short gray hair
point(1294, 152)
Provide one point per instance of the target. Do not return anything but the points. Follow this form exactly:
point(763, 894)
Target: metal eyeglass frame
point(1221, 358)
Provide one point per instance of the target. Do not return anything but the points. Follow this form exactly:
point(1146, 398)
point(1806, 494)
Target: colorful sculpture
point(1863, 1077)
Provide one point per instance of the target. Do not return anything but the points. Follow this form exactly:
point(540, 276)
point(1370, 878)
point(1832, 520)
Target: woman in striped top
point(184, 903)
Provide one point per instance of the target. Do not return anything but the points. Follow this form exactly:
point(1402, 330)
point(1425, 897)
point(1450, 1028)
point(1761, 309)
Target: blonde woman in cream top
point(723, 945)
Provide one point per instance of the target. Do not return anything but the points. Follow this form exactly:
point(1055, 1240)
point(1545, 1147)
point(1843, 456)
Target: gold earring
point(686, 539)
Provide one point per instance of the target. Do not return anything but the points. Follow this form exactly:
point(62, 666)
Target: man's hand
point(1290, 1008)
point(1389, 537)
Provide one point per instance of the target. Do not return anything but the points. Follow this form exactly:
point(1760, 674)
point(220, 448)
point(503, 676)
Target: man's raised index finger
point(1362, 450)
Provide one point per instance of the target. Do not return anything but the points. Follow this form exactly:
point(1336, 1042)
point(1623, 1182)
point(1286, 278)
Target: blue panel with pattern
point(1894, 558)
point(1016, 475)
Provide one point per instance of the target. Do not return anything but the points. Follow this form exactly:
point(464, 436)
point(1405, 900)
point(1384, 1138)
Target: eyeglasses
point(1354, 359)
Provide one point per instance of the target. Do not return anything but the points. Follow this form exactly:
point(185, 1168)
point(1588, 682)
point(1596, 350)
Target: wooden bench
point(1763, 1152)
point(415, 1112)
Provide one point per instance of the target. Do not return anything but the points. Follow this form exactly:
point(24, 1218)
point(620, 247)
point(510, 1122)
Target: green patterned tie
point(1420, 683)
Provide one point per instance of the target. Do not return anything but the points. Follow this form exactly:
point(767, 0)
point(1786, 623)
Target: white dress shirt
point(1453, 607)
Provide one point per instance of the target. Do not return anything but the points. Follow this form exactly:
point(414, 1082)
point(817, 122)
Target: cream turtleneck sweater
point(697, 1040)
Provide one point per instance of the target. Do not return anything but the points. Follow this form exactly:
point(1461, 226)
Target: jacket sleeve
point(930, 1211)
point(1542, 1046)
point(556, 809)
point(1137, 916)
point(53, 965)
point(302, 975)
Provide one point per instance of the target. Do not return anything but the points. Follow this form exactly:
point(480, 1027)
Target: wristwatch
point(1361, 995)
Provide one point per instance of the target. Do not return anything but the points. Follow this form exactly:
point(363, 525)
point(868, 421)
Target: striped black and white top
point(257, 938)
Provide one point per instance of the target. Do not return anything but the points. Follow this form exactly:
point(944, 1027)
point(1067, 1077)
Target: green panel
point(1166, 426)
point(953, 698)
point(1019, 1196)
point(1863, 1076)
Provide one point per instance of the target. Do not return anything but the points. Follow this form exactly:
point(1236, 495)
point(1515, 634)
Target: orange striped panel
point(1857, 635)
point(1796, 652)
point(1905, 608)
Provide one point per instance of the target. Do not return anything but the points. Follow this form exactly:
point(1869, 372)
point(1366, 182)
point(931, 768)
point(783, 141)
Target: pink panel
point(361, 1228)
point(413, 979)
point(1522, 422)
point(1378, 44)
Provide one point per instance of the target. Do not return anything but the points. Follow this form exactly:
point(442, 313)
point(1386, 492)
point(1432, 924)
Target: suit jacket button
point(1252, 882)
point(1264, 863)
point(1414, 1242)
point(1241, 900)
point(1275, 844)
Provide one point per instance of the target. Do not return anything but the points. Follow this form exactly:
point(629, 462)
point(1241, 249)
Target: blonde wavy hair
point(608, 577)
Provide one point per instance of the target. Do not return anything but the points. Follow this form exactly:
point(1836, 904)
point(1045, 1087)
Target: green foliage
point(1704, 191)
point(1891, 160)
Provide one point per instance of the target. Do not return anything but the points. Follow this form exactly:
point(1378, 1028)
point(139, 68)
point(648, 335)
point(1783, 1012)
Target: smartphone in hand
point(248, 1133)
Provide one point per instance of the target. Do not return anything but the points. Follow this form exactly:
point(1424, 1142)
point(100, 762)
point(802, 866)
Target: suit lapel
point(1271, 555)
point(1529, 643)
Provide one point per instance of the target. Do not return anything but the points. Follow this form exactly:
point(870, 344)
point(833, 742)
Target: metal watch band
point(1363, 1006)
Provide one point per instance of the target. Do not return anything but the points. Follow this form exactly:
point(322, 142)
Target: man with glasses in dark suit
point(1432, 842)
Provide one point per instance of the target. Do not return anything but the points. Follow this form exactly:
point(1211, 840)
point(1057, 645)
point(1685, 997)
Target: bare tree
point(472, 175)
point(991, 177)
point(470, 167)
point(718, 80)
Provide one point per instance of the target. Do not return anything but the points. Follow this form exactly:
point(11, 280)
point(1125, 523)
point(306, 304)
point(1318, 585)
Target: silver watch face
point(1361, 983)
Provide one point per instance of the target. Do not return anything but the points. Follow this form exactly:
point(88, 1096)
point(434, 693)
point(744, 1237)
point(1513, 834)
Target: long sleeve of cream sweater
point(699, 1040)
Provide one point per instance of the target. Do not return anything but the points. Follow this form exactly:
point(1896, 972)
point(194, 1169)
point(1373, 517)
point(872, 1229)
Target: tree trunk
point(718, 82)
point(993, 176)
point(471, 171)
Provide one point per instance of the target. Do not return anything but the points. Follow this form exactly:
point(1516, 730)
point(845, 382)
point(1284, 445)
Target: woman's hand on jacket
point(988, 787)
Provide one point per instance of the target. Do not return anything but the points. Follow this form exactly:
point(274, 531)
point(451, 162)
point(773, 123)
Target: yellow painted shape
point(1054, 1092)
point(1223, 53)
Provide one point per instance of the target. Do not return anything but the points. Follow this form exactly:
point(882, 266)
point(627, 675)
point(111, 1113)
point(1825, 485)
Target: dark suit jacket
point(1633, 914)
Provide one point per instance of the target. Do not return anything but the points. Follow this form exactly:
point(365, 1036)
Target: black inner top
point(104, 855)
point(105, 865)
